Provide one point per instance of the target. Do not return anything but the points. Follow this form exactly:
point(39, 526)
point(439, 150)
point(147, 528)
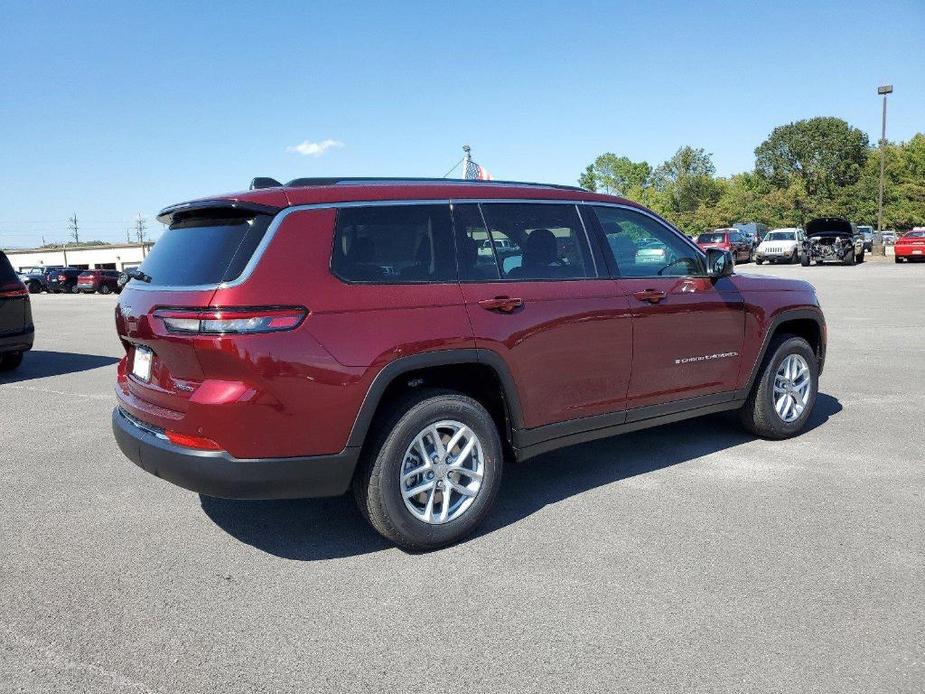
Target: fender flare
point(813, 314)
point(394, 369)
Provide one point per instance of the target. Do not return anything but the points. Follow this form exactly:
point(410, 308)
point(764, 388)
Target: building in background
point(114, 257)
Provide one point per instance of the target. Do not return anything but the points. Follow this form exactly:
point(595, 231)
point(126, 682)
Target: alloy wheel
point(441, 472)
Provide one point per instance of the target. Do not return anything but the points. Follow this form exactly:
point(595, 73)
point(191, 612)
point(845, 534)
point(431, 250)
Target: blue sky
point(114, 109)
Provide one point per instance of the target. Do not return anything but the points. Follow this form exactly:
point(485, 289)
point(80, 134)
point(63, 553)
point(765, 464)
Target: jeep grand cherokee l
point(298, 340)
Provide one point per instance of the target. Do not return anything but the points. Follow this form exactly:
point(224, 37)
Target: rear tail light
point(231, 321)
point(8, 291)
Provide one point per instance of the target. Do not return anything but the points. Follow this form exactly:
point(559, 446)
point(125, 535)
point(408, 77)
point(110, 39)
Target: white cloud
point(315, 149)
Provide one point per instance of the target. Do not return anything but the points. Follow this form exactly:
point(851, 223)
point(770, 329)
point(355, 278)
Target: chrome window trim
point(283, 214)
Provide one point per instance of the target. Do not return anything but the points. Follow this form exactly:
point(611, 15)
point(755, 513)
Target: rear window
point(205, 250)
point(711, 238)
point(7, 274)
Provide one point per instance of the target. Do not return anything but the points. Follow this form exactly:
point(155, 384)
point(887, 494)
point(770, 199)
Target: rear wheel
point(35, 287)
point(804, 261)
point(759, 261)
point(10, 361)
point(75, 290)
point(431, 471)
point(897, 259)
point(105, 289)
point(784, 391)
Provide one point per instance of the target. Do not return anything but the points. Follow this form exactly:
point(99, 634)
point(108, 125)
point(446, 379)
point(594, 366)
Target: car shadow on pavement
point(317, 529)
point(41, 364)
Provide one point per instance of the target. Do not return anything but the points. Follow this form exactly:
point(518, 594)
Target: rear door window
point(538, 241)
point(394, 244)
point(205, 250)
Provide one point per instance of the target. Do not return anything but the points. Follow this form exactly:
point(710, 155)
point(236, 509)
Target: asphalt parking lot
point(689, 557)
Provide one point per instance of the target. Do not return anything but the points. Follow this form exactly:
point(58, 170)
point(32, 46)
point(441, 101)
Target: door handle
point(653, 296)
point(504, 304)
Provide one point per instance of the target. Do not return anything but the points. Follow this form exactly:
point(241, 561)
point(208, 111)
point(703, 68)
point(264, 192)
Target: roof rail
point(359, 180)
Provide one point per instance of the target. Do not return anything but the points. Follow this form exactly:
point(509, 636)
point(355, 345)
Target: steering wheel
point(688, 262)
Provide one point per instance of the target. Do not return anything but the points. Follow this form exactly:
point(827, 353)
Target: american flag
point(474, 172)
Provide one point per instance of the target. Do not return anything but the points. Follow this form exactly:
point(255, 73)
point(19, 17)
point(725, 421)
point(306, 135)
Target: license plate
point(141, 365)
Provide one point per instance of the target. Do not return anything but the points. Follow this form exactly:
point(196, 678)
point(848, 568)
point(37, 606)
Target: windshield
point(204, 251)
point(781, 236)
point(711, 238)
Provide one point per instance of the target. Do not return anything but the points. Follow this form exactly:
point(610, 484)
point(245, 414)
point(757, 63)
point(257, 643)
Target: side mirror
point(719, 263)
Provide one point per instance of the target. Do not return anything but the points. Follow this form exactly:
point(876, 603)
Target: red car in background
point(102, 281)
point(910, 246)
point(731, 240)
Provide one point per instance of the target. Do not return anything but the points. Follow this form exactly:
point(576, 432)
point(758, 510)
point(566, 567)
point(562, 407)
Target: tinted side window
point(643, 247)
point(394, 244)
point(475, 252)
point(538, 242)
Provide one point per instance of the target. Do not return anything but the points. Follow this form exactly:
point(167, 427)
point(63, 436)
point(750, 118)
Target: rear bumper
point(216, 473)
point(20, 342)
point(909, 251)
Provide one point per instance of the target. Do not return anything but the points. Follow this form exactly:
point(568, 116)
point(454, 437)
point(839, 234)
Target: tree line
point(820, 167)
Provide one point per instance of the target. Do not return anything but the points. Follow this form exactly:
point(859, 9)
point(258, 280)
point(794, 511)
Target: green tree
point(616, 175)
point(824, 153)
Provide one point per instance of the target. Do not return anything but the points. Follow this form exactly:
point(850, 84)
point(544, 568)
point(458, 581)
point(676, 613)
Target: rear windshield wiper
point(137, 274)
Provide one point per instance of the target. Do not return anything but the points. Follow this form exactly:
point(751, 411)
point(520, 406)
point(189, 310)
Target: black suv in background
point(16, 331)
point(63, 280)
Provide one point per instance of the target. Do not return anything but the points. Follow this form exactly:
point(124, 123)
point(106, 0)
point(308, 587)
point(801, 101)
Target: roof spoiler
point(175, 213)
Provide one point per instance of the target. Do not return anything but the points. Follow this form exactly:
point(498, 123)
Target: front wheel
point(861, 258)
point(804, 261)
point(850, 260)
point(432, 470)
point(759, 261)
point(784, 391)
point(795, 258)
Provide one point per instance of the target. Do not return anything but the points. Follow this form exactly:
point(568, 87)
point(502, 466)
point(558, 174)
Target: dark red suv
point(300, 339)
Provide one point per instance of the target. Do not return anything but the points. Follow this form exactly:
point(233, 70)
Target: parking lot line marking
point(47, 655)
point(49, 391)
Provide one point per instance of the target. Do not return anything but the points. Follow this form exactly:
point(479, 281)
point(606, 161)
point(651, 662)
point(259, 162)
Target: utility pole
point(467, 159)
point(883, 90)
point(140, 227)
point(74, 228)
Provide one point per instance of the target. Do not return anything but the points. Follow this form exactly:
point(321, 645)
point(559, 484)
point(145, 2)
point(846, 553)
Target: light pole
point(884, 90)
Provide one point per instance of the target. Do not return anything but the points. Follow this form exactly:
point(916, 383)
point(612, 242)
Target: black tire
point(35, 287)
point(10, 361)
point(74, 289)
point(795, 258)
point(376, 484)
point(758, 414)
point(105, 289)
point(850, 260)
point(759, 261)
point(897, 259)
point(804, 261)
point(861, 258)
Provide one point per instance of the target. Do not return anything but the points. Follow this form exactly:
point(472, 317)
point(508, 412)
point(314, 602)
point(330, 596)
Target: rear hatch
point(201, 250)
point(86, 280)
point(15, 314)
